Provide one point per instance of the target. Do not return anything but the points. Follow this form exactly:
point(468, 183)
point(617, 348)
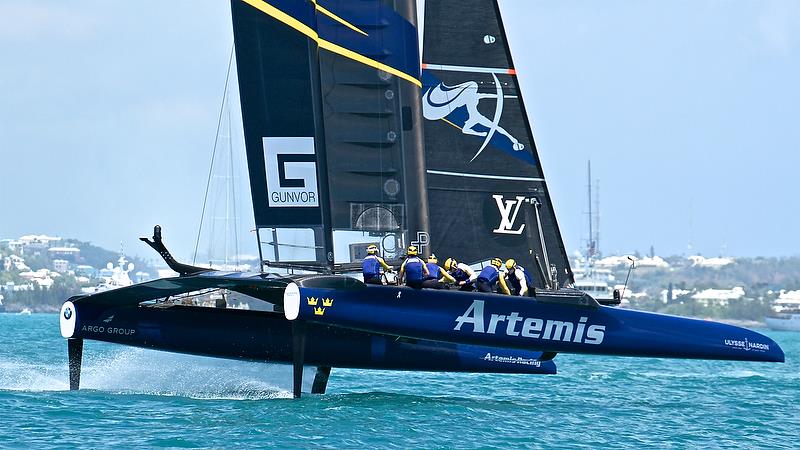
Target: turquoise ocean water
point(134, 398)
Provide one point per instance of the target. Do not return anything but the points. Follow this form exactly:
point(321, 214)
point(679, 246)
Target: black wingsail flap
point(373, 135)
point(484, 175)
point(329, 93)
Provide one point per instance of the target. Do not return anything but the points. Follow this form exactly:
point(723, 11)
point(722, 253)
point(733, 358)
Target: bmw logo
point(68, 313)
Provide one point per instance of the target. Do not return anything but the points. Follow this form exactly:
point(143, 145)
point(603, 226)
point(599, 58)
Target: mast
point(414, 148)
point(590, 247)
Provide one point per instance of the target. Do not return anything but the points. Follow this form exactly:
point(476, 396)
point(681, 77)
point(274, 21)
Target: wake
point(148, 372)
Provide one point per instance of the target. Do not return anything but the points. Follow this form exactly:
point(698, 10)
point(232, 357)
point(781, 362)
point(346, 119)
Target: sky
point(688, 110)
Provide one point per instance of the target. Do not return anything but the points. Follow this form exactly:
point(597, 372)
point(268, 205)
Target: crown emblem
point(312, 301)
point(327, 302)
point(319, 311)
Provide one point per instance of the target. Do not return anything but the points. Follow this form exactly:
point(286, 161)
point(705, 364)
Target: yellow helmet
point(510, 263)
point(433, 259)
point(497, 262)
point(450, 264)
point(412, 250)
point(372, 249)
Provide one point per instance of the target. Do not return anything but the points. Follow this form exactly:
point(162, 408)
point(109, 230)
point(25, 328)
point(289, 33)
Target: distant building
point(654, 261)
point(60, 265)
point(42, 277)
point(18, 263)
point(718, 297)
point(68, 253)
point(787, 301)
point(676, 293)
point(84, 270)
point(36, 244)
point(714, 263)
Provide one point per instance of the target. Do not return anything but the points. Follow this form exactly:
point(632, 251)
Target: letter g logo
point(291, 170)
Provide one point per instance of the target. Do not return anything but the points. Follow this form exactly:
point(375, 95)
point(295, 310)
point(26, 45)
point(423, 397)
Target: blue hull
point(267, 336)
point(564, 321)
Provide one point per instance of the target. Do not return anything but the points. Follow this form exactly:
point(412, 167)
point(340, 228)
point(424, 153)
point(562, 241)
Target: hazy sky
point(688, 110)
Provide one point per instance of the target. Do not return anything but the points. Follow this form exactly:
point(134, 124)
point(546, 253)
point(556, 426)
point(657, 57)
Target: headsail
point(328, 113)
point(483, 171)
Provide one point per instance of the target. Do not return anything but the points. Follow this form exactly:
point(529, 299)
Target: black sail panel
point(284, 136)
point(329, 90)
point(484, 175)
point(374, 146)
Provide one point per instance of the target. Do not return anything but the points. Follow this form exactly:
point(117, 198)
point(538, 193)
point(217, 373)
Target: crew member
point(413, 271)
point(491, 276)
point(436, 276)
point(518, 278)
point(463, 274)
point(372, 264)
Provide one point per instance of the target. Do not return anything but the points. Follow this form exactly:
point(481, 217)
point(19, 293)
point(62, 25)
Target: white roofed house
point(714, 263)
point(787, 301)
point(37, 243)
point(719, 297)
point(41, 277)
point(18, 262)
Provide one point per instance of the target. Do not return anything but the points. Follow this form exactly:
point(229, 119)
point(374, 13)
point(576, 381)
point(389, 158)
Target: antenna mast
point(590, 249)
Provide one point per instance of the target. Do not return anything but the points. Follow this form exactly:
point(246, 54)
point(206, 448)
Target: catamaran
point(353, 139)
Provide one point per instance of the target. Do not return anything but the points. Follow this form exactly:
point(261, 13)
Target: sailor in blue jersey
point(413, 271)
point(436, 276)
point(519, 281)
point(463, 274)
point(372, 264)
point(491, 276)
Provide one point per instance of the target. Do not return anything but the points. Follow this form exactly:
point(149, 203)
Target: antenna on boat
point(633, 263)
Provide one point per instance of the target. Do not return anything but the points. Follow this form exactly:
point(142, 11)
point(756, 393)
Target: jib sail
point(486, 188)
point(329, 93)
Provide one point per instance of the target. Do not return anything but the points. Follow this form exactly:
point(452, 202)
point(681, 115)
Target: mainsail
point(486, 189)
point(330, 130)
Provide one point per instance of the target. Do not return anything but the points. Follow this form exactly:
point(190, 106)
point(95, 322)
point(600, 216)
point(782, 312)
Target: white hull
point(788, 322)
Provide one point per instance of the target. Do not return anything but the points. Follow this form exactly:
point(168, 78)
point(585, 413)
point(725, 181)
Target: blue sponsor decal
point(458, 105)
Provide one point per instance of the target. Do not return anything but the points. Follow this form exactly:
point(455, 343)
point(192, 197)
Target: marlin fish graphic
point(439, 101)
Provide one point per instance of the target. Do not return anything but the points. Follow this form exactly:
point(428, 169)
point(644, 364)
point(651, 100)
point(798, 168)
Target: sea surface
point(133, 398)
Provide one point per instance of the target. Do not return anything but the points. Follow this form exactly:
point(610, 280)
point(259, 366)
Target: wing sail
point(484, 174)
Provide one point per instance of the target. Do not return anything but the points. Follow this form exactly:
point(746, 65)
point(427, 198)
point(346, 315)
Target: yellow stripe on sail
point(283, 17)
point(327, 45)
point(366, 61)
point(333, 16)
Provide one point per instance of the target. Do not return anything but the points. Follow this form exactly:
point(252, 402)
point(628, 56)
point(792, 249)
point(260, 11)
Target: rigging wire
point(213, 154)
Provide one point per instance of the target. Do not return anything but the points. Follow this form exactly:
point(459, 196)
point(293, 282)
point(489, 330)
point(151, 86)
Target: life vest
point(413, 269)
point(433, 271)
point(514, 280)
point(489, 274)
point(371, 267)
point(460, 275)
